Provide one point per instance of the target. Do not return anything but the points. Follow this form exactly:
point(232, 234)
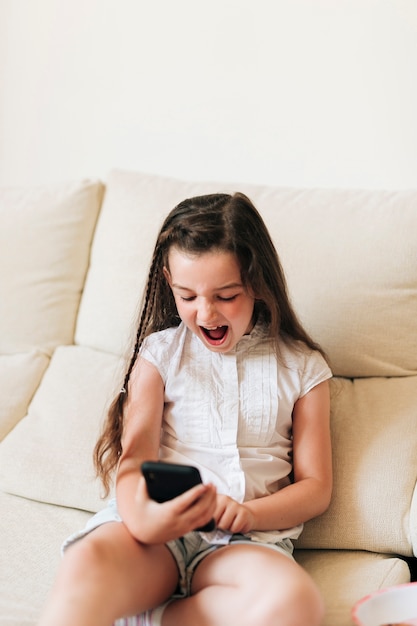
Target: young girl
point(222, 377)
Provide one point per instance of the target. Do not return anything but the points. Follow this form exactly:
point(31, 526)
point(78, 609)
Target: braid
point(144, 319)
point(109, 446)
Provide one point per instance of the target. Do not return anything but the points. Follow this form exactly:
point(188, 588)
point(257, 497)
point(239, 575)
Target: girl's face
point(210, 297)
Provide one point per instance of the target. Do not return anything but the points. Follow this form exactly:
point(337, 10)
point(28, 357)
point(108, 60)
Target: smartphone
point(166, 481)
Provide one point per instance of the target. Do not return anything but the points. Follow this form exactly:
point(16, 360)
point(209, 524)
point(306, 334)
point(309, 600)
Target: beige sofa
point(73, 260)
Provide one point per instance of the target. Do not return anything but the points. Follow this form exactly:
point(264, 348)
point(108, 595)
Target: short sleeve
point(161, 347)
point(315, 371)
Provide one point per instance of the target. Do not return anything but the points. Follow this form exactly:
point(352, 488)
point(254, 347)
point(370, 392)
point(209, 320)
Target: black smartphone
point(166, 481)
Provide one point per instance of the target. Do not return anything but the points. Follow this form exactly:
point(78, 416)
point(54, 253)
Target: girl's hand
point(161, 522)
point(232, 516)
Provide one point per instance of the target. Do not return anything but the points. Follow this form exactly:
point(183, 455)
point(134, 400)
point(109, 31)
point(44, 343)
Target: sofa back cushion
point(45, 237)
point(20, 375)
point(374, 440)
point(349, 257)
point(48, 456)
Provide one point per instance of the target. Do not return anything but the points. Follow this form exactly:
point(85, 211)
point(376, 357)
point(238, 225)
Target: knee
point(300, 604)
point(295, 602)
point(307, 606)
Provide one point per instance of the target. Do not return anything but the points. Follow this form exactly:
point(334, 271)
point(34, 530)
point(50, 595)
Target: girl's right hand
point(161, 522)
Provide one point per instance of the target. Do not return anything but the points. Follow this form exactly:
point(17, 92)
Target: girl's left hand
point(232, 516)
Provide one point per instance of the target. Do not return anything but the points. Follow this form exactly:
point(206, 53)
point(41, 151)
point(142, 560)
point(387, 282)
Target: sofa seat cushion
point(48, 455)
point(349, 257)
point(30, 541)
point(20, 375)
point(344, 577)
point(32, 535)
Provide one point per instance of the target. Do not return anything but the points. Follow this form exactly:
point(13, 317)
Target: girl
point(223, 377)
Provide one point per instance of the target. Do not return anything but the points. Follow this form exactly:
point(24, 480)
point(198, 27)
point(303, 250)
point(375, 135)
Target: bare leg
point(107, 575)
point(248, 585)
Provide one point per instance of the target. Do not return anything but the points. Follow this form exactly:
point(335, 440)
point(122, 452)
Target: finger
point(201, 511)
point(226, 519)
point(206, 505)
point(223, 506)
point(189, 498)
point(199, 518)
point(232, 517)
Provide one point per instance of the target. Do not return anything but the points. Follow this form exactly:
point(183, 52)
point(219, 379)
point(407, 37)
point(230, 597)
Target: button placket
point(230, 423)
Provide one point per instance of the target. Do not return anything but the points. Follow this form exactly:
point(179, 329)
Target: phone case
point(166, 481)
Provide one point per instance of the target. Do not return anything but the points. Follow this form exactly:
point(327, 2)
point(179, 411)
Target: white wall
point(288, 92)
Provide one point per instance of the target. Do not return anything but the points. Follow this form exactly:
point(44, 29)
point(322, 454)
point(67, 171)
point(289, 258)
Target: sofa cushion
point(30, 540)
point(345, 577)
point(32, 534)
point(20, 375)
point(133, 209)
point(374, 437)
point(45, 236)
point(50, 450)
point(349, 257)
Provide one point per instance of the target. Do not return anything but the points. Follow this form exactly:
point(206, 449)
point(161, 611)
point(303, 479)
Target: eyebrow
point(228, 286)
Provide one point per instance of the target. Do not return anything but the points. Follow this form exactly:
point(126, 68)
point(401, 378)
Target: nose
point(206, 312)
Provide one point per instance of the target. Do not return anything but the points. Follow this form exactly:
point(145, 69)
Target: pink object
point(393, 606)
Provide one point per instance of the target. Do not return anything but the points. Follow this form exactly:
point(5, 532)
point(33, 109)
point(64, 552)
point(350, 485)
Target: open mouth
point(215, 335)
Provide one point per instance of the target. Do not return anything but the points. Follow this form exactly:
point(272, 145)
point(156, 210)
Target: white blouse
point(230, 414)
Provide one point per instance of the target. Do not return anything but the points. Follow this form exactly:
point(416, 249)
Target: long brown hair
point(217, 221)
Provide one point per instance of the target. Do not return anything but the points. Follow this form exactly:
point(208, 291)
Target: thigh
point(131, 576)
point(239, 564)
point(268, 586)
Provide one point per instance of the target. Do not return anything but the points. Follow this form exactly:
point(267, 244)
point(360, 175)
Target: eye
point(187, 299)
point(229, 299)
